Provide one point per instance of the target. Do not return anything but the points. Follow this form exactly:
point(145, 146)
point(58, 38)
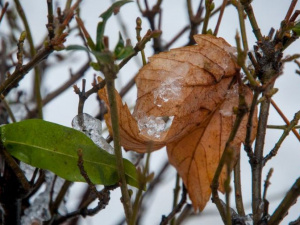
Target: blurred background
point(174, 17)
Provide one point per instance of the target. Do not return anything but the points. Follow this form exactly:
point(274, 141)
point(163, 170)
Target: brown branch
point(3, 11)
point(290, 10)
point(285, 119)
point(289, 200)
point(225, 2)
point(286, 132)
point(238, 189)
point(15, 168)
point(177, 209)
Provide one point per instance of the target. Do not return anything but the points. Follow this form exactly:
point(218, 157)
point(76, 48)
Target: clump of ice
point(92, 128)
point(153, 126)
point(39, 209)
point(170, 89)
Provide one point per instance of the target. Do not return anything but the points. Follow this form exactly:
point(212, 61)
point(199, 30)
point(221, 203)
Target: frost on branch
point(92, 128)
point(196, 87)
point(38, 212)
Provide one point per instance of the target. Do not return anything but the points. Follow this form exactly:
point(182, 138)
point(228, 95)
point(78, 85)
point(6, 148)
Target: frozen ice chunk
point(170, 89)
point(153, 126)
point(39, 209)
point(92, 128)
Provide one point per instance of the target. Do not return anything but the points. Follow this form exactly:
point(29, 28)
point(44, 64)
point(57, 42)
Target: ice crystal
point(39, 208)
point(170, 89)
point(153, 126)
point(92, 128)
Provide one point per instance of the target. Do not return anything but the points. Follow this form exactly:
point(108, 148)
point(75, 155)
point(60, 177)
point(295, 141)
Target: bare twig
point(3, 11)
point(285, 119)
point(238, 189)
point(248, 9)
point(15, 168)
point(177, 209)
point(286, 203)
point(220, 16)
point(274, 151)
point(267, 183)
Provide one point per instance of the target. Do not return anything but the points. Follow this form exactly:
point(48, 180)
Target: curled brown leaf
point(185, 101)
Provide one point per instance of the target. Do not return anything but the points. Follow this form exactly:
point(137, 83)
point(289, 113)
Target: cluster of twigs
point(267, 66)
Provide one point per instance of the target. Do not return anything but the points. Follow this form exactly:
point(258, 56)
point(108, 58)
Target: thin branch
point(7, 107)
point(140, 45)
point(248, 9)
point(286, 132)
point(176, 191)
point(238, 188)
point(110, 75)
point(281, 127)
point(60, 197)
point(242, 110)
point(37, 74)
point(3, 11)
point(285, 119)
point(290, 10)
point(240, 10)
point(56, 43)
point(15, 168)
point(144, 177)
point(267, 183)
point(220, 16)
point(286, 203)
point(50, 26)
point(177, 209)
point(209, 5)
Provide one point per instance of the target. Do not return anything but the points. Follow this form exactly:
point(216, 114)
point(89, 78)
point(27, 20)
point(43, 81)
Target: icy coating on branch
point(92, 128)
point(39, 209)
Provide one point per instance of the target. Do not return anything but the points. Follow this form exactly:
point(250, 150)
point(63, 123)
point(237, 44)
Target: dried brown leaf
point(189, 86)
point(197, 155)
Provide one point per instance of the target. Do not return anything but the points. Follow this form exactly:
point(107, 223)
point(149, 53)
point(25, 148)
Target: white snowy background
point(62, 110)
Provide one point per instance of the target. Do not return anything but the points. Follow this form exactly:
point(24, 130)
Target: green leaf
point(54, 147)
point(296, 28)
point(114, 8)
point(104, 57)
point(122, 51)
